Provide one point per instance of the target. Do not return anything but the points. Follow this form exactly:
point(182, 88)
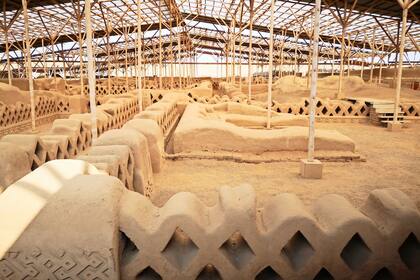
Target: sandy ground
point(393, 160)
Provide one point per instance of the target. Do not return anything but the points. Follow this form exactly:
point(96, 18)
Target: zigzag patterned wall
point(234, 239)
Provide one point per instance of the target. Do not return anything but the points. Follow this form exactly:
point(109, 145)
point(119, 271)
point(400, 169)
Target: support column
point(310, 167)
point(333, 58)
point(340, 79)
point(139, 57)
point(91, 69)
point(363, 59)
point(179, 56)
point(270, 65)
point(381, 62)
point(405, 5)
point(29, 64)
point(372, 65)
point(160, 44)
point(6, 38)
point(126, 58)
point(108, 60)
point(80, 39)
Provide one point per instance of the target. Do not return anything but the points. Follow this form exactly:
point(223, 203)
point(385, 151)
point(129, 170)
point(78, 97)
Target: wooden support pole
point(270, 65)
point(126, 58)
point(363, 59)
point(29, 63)
point(91, 69)
point(108, 60)
point(44, 64)
point(139, 58)
point(160, 44)
point(343, 47)
point(405, 7)
point(233, 49)
point(295, 65)
point(314, 78)
point(333, 58)
point(373, 48)
point(179, 56)
point(381, 62)
point(309, 57)
point(80, 39)
point(282, 53)
point(171, 51)
point(348, 56)
point(64, 65)
point(240, 60)
point(6, 38)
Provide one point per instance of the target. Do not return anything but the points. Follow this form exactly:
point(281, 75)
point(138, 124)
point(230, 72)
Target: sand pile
point(352, 83)
point(290, 83)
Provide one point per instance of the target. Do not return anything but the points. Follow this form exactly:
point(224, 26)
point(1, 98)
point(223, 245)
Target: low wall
point(325, 110)
point(60, 222)
point(129, 150)
point(165, 112)
point(196, 132)
point(16, 117)
point(67, 138)
point(118, 85)
point(91, 218)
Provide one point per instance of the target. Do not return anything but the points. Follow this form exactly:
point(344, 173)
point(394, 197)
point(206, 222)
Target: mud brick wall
point(14, 114)
point(184, 239)
point(66, 139)
point(57, 233)
point(283, 240)
point(165, 112)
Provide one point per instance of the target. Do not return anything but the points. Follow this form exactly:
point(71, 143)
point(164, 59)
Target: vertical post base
point(311, 169)
point(394, 126)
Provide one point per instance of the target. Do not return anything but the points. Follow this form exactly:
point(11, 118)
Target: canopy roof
point(211, 27)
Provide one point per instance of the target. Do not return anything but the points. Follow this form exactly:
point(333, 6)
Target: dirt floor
point(393, 160)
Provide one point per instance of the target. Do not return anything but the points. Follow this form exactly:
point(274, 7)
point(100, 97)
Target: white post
point(139, 53)
point(311, 168)
point(400, 65)
point(363, 59)
point(29, 63)
point(251, 18)
point(314, 77)
point(9, 70)
point(91, 69)
point(160, 44)
point(179, 56)
point(270, 65)
point(339, 94)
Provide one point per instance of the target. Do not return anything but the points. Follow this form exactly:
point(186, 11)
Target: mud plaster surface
point(393, 160)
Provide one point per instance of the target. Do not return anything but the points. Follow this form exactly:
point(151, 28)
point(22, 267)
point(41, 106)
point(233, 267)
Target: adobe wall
point(80, 230)
point(56, 232)
point(129, 149)
point(198, 132)
point(77, 222)
point(326, 109)
point(66, 139)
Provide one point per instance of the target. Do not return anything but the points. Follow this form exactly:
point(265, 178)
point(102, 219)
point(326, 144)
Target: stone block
point(394, 127)
point(311, 169)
